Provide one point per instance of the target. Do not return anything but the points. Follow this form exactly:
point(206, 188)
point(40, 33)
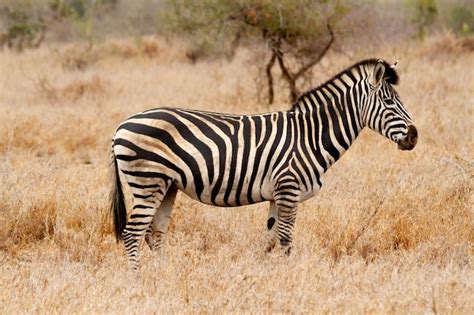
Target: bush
point(24, 29)
point(27, 22)
point(462, 19)
point(426, 12)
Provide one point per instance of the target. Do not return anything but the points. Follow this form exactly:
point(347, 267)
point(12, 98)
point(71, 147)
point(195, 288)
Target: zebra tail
point(117, 204)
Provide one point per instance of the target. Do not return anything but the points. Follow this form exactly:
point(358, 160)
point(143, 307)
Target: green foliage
point(23, 28)
point(426, 12)
point(462, 19)
point(28, 21)
point(81, 13)
point(216, 26)
point(79, 9)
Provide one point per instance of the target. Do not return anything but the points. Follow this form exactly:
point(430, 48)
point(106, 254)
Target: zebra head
point(385, 112)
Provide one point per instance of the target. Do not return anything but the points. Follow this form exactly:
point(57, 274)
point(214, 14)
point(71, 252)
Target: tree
point(297, 33)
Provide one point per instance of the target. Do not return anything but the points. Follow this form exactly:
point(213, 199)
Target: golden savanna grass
point(390, 232)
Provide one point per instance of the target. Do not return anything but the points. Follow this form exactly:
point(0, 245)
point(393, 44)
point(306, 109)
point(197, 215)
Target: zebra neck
point(330, 123)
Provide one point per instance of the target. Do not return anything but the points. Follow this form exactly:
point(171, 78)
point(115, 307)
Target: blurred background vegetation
point(296, 34)
point(27, 23)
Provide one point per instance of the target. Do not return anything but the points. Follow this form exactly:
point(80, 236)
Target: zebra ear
point(379, 71)
point(394, 66)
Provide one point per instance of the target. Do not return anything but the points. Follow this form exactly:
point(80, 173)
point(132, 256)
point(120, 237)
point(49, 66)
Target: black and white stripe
point(232, 160)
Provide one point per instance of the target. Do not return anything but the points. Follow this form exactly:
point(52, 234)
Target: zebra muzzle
point(409, 142)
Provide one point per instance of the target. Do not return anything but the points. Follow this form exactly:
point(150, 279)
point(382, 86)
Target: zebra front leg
point(156, 234)
point(271, 227)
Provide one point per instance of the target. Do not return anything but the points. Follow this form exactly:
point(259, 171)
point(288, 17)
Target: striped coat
point(233, 160)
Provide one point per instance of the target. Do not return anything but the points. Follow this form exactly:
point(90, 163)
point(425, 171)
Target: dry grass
point(390, 232)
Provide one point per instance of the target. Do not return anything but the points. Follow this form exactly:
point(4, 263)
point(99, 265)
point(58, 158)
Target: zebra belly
point(224, 197)
point(219, 202)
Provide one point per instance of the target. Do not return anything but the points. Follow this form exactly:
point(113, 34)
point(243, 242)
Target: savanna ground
point(390, 232)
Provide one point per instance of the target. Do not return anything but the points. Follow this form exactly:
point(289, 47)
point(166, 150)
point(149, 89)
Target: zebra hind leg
point(271, 227)
point(142, 214)
point(156, 233)
point(286, 224)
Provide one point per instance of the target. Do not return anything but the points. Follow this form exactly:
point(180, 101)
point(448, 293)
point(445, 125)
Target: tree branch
point(288, 77)
point(314, 61)
point(270, 77)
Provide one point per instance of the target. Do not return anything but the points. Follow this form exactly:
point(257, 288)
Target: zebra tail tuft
point(117, 204)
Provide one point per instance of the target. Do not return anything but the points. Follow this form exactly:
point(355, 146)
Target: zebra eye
point(388, 101)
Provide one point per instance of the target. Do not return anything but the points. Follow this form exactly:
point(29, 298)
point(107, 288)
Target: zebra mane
point(390, 76)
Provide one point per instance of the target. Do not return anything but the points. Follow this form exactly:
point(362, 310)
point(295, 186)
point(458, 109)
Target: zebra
point(232, 160)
